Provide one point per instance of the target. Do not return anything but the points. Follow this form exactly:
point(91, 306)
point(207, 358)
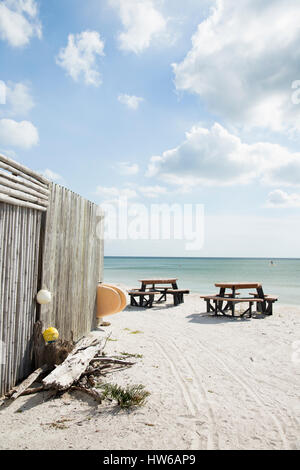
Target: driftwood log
point(21, 389)
point(112, 360)
point(76, 372)
point(74, 365)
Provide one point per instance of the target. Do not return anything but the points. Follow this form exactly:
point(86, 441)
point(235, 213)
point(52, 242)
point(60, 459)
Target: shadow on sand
point(207, 318)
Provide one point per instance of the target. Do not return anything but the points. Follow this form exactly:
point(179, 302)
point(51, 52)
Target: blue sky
point(94, 90)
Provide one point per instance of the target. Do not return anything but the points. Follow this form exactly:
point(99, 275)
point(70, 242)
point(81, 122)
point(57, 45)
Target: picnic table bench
point(151, 287)
point(217, 306)
point(263, 301)
point(145, 299)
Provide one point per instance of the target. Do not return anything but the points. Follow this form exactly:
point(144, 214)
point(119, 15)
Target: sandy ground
point(215, 383)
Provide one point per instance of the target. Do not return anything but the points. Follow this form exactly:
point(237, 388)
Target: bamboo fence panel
point(19, 254)
point(72, 263)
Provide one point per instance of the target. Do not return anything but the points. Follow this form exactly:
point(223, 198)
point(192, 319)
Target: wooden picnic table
point(153, 283)
point(234, 286)
point(263, 301)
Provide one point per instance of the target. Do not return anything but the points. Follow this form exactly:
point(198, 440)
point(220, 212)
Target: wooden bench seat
point(230, 304)
point(269, 301)
point(177, 295)
point(146, 298)
point(231, 299)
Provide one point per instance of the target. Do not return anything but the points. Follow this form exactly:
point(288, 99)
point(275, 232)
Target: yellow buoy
point(51, 335)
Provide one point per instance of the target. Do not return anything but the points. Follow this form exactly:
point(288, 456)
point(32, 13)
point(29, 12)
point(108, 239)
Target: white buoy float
point(44, 297)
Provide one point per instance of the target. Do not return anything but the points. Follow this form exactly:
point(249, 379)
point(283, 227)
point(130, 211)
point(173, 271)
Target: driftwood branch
point(21, 389)
point(31, 391)
point(74, 365)
point(112, 360)
point(76, 372)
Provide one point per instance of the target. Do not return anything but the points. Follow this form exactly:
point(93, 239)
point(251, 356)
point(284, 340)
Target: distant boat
point(272, 263)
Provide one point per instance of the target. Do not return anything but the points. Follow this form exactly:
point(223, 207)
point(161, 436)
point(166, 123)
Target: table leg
point(233, 308)
point(262, 307)
point(221, 294)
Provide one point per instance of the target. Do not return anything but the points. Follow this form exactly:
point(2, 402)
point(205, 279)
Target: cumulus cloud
point(216, 157)
point(2, 92)
point(113, 194)
point(78, 58)
point(18, 134)
point(152, 192)
point(142, 22)
point(127, 168)
point(130, 101)
point(243, 61)
point(51, 175)
point(18, 99)
point(279, 198)
point(19, 21)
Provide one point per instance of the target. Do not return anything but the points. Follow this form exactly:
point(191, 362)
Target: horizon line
point(202, 257)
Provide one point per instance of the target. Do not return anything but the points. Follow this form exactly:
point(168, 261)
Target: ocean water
point(281, 277)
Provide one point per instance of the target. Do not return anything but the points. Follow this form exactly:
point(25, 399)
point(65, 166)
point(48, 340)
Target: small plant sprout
point(126, 397)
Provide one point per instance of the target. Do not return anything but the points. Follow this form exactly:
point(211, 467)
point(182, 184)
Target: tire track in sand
point(250, 390)
point(214, 444)
point(191, 403)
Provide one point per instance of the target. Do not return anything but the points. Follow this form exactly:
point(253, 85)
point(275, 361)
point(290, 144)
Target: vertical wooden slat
point(72, 263)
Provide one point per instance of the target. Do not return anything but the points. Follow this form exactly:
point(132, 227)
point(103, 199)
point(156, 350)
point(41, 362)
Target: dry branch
point(112, 360)
point(31, 391)
point(21, 389)
point(76, 372)
point(75, 364)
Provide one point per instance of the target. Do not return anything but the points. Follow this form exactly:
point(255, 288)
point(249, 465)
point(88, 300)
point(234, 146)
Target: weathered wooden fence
point(48, 239)
point(72, 263)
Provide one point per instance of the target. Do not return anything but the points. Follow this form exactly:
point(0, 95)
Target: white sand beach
point(215, 383)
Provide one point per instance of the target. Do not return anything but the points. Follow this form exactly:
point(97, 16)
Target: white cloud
point(279, 198)
point(152, 191)
point(243, 61)
point(51, 175)
point(127, 168)
point(19, 21)
point(9, 153)
point(18, 100)
point(113, 194)
point(216, 157)
point(142, 22)
point(79, 57)
point(130, 101)
point(2, 92)
point(18, 134)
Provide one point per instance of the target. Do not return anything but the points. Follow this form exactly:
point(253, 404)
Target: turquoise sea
point(278, 276)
